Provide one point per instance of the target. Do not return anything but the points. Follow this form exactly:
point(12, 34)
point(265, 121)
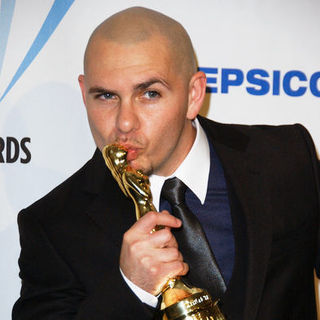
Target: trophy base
point(198, 306)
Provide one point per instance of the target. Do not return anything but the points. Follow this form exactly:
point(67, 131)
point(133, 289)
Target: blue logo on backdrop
point(259, 82)
point(55, 15)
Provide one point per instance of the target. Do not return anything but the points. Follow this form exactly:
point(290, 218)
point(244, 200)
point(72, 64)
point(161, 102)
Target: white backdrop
point(263, 60)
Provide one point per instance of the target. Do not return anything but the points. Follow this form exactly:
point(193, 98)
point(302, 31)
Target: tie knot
point(173, 191)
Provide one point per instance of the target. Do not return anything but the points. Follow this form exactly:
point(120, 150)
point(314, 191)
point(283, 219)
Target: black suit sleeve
point(316, 169)
point(318, 252)
point(51, 291)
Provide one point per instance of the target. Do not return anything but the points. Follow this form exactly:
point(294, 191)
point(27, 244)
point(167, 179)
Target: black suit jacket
point(71, 238)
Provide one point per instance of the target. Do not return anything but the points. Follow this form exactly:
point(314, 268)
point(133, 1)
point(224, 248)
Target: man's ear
point(82, 87)
point(197, 92)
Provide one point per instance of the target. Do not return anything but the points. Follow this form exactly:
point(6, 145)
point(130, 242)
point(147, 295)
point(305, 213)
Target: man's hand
point(150, 259)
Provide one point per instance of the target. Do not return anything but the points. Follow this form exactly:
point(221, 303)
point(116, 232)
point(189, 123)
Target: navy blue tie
point(193, 244)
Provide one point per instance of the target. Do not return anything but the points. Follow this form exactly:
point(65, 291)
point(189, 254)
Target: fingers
point(151, 219)
point(175, 269)
point(169, 255)
point(140, 231)
point(167, 271)
point(162, 261)
point(163, 239)
point(184, 270)
point(149, 260)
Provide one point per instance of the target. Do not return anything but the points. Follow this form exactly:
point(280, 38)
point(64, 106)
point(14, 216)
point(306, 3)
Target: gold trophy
point(179, 301)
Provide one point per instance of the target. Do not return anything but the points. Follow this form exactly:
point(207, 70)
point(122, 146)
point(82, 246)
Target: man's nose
point(127, 119)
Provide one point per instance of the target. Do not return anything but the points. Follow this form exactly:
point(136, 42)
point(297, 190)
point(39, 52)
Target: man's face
point(135, 96)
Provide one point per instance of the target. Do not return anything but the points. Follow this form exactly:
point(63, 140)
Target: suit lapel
point(110, 209)
point(240, 162)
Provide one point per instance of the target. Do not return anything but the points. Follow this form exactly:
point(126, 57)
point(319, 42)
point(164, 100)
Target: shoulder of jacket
point(59, 194)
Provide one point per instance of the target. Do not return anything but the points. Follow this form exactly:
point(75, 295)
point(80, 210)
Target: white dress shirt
point(194, 172)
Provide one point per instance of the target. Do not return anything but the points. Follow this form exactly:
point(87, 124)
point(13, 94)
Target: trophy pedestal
point(181, 302)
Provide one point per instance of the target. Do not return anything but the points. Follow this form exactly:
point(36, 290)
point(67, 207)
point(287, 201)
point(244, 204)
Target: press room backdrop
point(261, 58)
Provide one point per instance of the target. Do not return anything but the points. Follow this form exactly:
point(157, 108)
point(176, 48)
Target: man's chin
point(138, 165)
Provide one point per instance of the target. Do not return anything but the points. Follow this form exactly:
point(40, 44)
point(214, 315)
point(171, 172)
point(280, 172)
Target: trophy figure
point(179, 301)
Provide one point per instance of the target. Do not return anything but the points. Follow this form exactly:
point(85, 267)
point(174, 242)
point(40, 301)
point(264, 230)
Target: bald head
point(135, 25)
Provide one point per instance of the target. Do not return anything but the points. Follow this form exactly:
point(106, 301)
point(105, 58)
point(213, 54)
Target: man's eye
point(106, 96)
point(151, 94)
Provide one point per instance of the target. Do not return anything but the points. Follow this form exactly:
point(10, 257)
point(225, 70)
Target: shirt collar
point(193, 171)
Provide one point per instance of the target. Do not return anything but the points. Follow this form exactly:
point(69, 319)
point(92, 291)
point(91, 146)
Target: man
point(254, 190)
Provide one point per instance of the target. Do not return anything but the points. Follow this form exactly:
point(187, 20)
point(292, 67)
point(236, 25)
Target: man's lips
point(132, 150)
point(132, 154)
